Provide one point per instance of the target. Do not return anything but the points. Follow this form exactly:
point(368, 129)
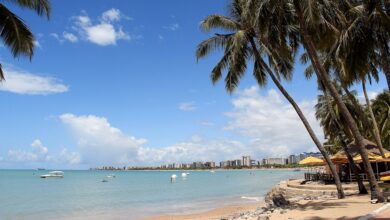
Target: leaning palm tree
point(14, 32)
point(319, 24)
point(243, 42)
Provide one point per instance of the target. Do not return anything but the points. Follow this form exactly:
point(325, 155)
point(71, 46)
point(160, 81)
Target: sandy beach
point(352, 207)
point(309, 202)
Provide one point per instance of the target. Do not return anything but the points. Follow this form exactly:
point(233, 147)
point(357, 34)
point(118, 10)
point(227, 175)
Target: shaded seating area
point(378, 164)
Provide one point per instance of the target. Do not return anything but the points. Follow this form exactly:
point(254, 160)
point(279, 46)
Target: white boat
point(57, 174)
point(110, 176)
point(183, 174)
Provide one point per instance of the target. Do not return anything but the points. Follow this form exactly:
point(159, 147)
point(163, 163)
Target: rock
point(263, 217)
point(279, 200)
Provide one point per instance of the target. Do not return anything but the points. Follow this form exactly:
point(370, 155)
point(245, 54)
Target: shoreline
point(354, 206)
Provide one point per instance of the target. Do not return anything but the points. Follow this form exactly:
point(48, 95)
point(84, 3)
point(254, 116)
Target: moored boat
point(56, 174)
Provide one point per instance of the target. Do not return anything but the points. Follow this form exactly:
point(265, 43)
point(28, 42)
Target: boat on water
point(297, 169)
point(110, 176)
point(55, 174)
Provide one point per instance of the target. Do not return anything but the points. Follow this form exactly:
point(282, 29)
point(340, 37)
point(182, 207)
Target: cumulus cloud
point(271, 124)
point(263, 125)
point(40, 153)
point(105, 32)
point(187, 106)
point(101, 143)
point(23, 82)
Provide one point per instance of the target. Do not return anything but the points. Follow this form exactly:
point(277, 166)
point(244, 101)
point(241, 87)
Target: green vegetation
point(14, 32)
point(346, 44)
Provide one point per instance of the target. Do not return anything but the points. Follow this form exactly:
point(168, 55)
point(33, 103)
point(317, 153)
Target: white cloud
point(99, 141)
point(371, 95)
point(38, 153)
point(105, 32)
point(69, 157)
point(172, 27)
point(37, 44)
point(70, 37)
point(111, 15)
point(271, 124)
point(266, 125)
point(23, 82)
point(160, 37)
point(187, 106)
point(101, 144)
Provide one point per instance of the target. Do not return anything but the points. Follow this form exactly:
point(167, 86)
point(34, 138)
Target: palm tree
point(15, 33)
point(356, 55)
point(243, 42)
point(332, 125)
point(319, 25)
point(381, 109)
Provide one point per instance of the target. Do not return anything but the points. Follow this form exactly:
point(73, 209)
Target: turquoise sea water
point(131, 195)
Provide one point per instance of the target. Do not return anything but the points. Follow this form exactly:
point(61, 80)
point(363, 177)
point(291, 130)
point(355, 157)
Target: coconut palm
point(319, 25)
point(326, 113)
point(356, 55)
point(247, 39)
point(381, 109)
point(14, 32)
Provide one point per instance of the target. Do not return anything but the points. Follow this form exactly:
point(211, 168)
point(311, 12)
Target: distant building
point(254, 163)
point(293, 159)
point(236, 163)
point(246, 161)
point(197, 165)
point(277, 160)
point(210, 164)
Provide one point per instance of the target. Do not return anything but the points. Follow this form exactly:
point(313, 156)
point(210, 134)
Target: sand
point(351, 207)
point(218, 213)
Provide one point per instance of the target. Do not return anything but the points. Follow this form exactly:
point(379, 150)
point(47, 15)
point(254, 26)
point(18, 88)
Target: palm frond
point(219, 21)
point(216, 42)
point(41, 7)
point(15, 33)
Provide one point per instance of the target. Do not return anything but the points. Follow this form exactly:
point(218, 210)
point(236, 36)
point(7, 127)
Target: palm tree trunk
point(323, 76)
point(362, 188)
point(375, 125)
point(340, 191)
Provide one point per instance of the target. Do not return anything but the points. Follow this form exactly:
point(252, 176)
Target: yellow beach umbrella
point(311, 161)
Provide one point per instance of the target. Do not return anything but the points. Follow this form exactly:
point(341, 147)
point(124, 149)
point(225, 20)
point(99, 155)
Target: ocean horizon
point(81, 194)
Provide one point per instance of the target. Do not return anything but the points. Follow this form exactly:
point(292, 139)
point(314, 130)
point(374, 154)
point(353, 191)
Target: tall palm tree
point(317, 19)
point(356, 51)
point(244, 42)
point(332, 124)
point(381, 109)
point(14, 32)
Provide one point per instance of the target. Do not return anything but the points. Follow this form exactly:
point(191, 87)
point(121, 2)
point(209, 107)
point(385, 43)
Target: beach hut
point(374, 155)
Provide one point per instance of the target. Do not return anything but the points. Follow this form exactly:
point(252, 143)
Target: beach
point(354, 206)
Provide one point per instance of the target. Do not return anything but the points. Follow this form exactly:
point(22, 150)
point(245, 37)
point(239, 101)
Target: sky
point(117, 83)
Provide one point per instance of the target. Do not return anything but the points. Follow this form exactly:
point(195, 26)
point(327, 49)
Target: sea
point(82, 194)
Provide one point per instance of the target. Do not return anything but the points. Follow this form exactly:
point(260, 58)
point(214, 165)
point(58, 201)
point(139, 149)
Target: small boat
point(296, 170)
point(111, 176)
point(56, 174)
point(104, 181)
point(183, 174)
point(212, 171)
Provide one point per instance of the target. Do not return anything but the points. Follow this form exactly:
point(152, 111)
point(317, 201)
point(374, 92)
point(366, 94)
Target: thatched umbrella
point(311, 161)
point(353, 150)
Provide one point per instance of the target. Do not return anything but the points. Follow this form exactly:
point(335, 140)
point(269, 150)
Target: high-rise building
point(246, 161)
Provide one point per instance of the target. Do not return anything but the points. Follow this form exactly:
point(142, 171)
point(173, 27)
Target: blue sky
point(117, 82)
